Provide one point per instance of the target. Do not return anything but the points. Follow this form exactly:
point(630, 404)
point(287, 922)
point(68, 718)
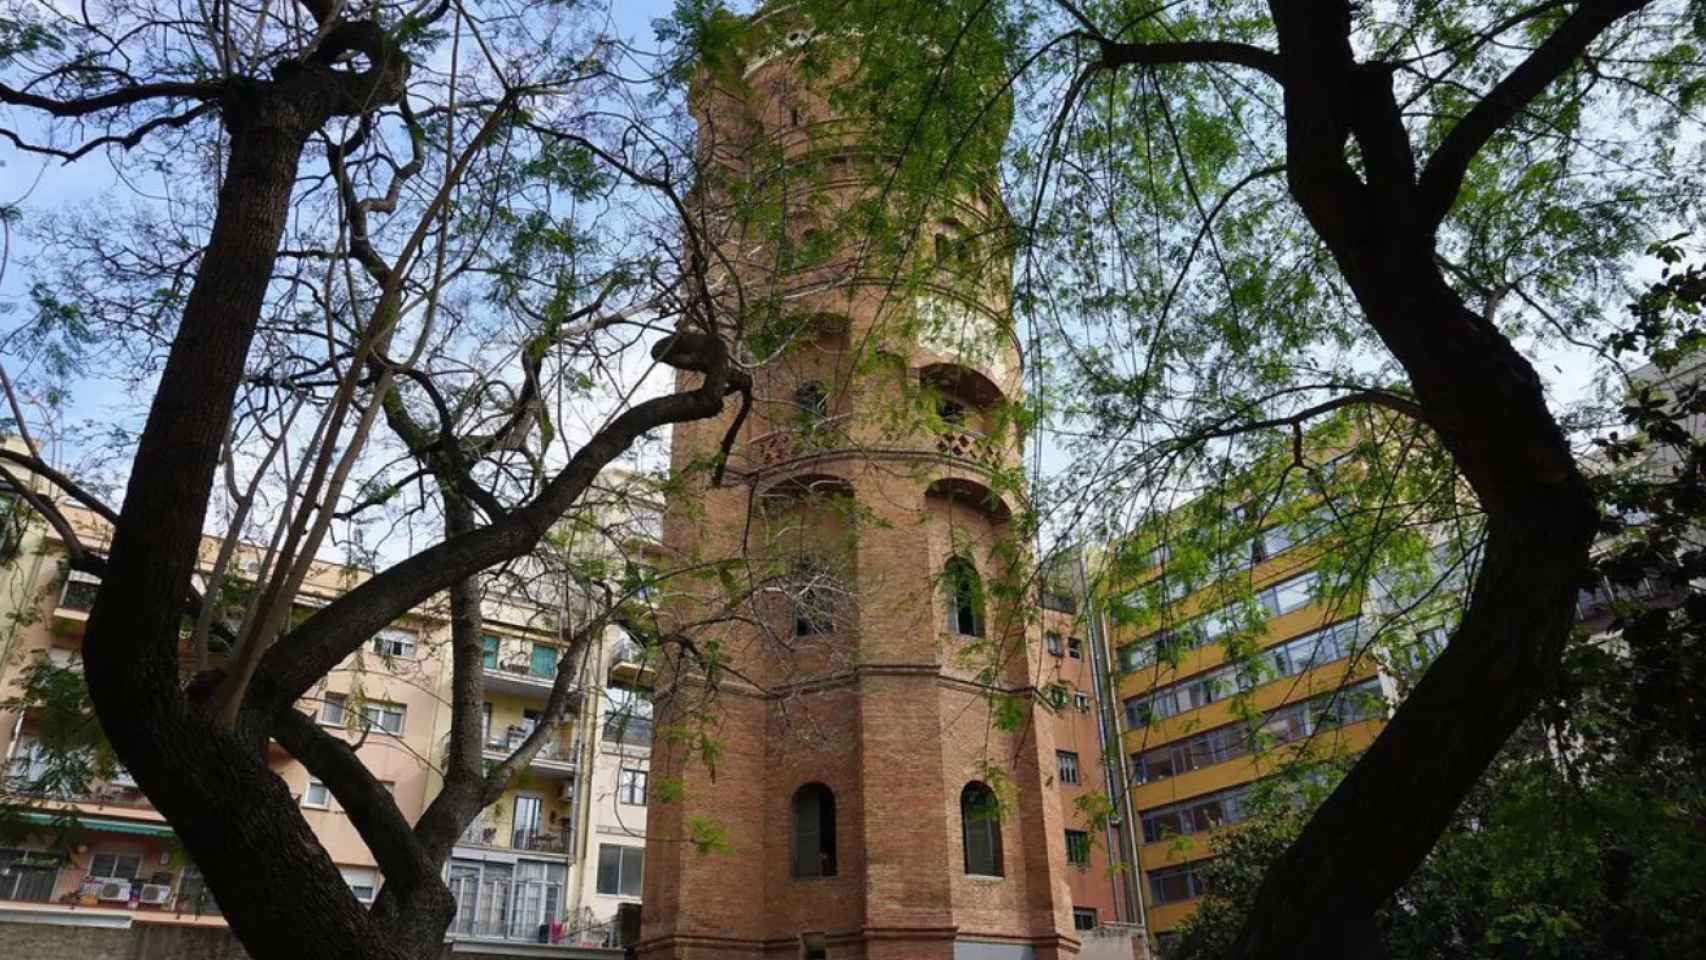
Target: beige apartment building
point(528, 873)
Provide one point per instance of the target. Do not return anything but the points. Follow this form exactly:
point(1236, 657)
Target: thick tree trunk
point(281, 893)
point(1486, 405)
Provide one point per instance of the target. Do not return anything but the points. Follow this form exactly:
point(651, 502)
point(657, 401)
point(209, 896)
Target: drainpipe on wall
point(1122, 898)
point(592, 697)
point(1113, 767)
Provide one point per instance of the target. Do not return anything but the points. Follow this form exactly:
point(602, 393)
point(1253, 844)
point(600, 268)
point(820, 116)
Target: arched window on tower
point(814, 831)
point(964, 590)
point(813, 402)
point(980, 822)
point(814, 599)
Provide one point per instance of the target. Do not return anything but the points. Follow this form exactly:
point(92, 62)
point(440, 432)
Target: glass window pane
point(633, 871)
point(609, 869)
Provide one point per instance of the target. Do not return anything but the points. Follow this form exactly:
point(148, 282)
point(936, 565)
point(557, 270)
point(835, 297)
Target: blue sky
point(40, 186)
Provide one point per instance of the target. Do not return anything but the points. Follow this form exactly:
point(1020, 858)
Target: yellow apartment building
point(1198, 728)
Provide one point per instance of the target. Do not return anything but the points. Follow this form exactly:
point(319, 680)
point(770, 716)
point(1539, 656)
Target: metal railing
point(627, 730)
point(552, 749)
point(26, 882)
point(486, 834)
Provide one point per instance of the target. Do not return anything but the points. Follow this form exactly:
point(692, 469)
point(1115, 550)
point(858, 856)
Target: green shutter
point(544, 660)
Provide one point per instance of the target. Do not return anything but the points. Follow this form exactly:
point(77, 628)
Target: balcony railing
point(627, 730)
point(27, 881)
point(552, 751)
point(970, 445)
point(27, 778)
point(482, 833)
point(791, 443)
point(32, 879)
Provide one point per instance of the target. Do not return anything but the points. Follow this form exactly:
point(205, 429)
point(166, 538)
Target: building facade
point(525, 872)
point(1220, 689)
point(870, 775)
point(1076, 667)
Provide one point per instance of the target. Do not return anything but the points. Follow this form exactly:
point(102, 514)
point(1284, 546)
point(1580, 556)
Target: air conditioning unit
point(114, 891)
point(156, 894)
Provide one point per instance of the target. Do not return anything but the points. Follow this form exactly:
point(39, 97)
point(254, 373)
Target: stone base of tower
point(872, 944)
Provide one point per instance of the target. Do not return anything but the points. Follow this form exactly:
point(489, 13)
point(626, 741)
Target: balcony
point(627, 731)
point(794, 443)
point(630, 663)
point(76, 599)
point(555, 759)
point(521, 668)
point(525, 911)
point(973, 446)
point(485, 833)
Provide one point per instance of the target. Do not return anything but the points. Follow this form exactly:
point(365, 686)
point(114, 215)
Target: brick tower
point(878, 788)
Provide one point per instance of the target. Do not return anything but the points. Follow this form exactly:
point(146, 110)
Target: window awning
point(106, 824)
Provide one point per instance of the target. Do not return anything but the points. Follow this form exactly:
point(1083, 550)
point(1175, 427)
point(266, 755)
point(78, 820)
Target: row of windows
point(1060, 694)
point(1262, 546)
point(388, 717)
point(394, 643)
point(1197, 814)
point(1288, 723)
point(1074, 646)
point(1173, 884)
point(813, 848)
point(1283, 660)
point(1280, 598)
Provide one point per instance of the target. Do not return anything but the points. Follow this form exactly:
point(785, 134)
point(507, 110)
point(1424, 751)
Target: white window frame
point(626, 780)
point(76, 576)
point(359, 879)
point(1067, 768)
point(396, 642)
point(308, 791)
point(113, 874)
point(328, 702)
point(620, 858)
point(374, 712)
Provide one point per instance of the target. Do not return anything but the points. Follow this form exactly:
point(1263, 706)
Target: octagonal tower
point(876, 785)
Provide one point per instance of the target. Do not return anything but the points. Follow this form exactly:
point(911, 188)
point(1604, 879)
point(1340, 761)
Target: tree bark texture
point(280, 891)
point(1485, 403)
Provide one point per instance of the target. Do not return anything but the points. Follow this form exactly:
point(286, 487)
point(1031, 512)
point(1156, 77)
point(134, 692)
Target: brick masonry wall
point(889, 710)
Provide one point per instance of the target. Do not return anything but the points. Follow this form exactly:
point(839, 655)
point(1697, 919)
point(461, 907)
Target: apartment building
point(526, 874)
point(1199, 728)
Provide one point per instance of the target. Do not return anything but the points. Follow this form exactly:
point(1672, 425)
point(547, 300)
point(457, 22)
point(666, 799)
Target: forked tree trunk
point(1485, 404)
point(280, 892)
